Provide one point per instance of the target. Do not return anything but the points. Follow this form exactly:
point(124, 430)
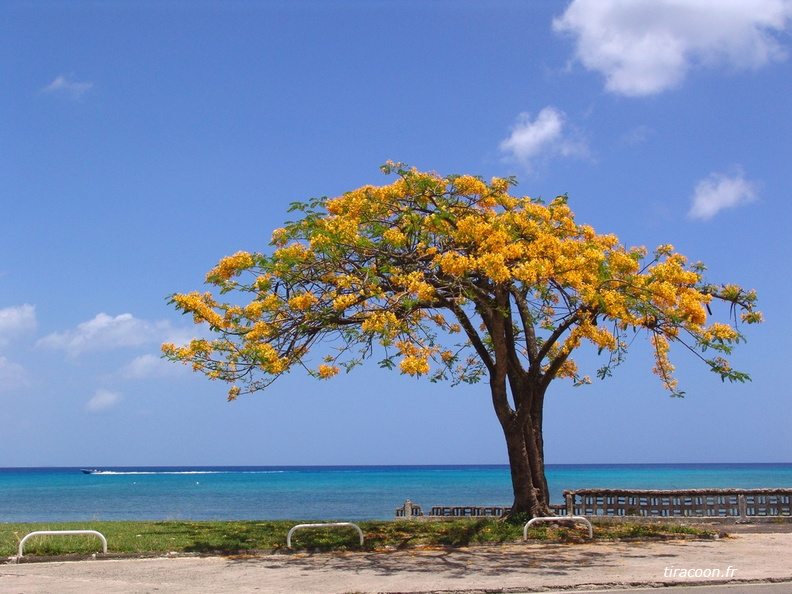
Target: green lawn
point(241, 536)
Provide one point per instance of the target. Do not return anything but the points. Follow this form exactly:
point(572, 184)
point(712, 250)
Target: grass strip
point(140, 537)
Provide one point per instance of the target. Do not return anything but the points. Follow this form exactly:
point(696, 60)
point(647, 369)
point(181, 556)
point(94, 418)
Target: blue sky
point(140, 142)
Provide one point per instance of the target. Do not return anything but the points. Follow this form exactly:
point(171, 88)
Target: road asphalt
point(737, 561)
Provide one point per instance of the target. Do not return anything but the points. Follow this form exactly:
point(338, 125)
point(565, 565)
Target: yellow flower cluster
point(302, 301)
point(691, 304)
point(202, 306)
point(232, 265)
point(663, 367)
point(494, 266)
point(383, 323)
point(467, 185)
point(413, 365)
point(267, 358)
point(341, 229)
point(395, 237)
point(453, 263)
point(721, 332)
point(279, 237)
point(599, 336)
point(415, 284)
point(415, 357)
point(259, 331)
point(294, 251)
point(344, 301)
point(327, 371)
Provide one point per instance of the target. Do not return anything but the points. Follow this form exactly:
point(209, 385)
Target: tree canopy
point(453, 278)
point(421, 268)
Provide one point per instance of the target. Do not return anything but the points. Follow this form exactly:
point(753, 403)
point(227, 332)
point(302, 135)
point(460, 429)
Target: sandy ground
point(520, 567)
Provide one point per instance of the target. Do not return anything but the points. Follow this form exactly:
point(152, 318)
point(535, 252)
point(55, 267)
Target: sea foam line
point(136, 472)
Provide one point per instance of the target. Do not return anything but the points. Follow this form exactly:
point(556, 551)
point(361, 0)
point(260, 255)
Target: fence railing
point(412, 511)
point(688, 503)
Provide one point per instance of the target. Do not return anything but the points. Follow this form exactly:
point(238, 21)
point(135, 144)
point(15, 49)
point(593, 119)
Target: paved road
point(512, 568)
point(782, 588)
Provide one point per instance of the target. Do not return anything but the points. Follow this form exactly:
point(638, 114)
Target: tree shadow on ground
point(484, 560)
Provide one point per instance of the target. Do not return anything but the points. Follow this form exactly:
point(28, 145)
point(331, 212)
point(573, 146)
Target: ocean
point(324, 492)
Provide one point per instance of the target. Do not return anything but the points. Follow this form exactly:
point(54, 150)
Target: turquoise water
point(324, 493)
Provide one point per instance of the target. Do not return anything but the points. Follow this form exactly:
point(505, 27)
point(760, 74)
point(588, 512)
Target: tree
point(455, 279)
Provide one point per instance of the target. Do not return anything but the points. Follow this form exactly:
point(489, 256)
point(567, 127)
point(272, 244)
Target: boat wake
point(93, 471)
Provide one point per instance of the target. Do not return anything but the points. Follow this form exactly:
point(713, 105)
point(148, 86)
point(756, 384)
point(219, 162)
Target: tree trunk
point(521, 419)
point(527, 472)
point(535, 436)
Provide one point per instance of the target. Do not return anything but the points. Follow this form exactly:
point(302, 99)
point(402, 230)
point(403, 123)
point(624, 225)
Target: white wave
point(136, 472)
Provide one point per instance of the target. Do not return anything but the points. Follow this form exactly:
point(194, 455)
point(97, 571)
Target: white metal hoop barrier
point(64, 532)
point(558, 519)
point(324, 525)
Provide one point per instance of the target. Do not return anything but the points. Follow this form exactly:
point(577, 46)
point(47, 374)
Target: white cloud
point(545, 137)
point(102, 400)
point(637, 135)
point(12, 375)
point(649, 46)
point(106, 332)
point(16, 321)
point(150, 366)
point(70, 88)
point(719, 191)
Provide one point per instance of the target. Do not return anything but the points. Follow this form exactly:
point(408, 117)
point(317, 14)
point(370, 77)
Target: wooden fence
point(688, 503)
point(738, 504)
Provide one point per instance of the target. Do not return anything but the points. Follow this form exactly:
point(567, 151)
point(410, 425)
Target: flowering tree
point(455, 279)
